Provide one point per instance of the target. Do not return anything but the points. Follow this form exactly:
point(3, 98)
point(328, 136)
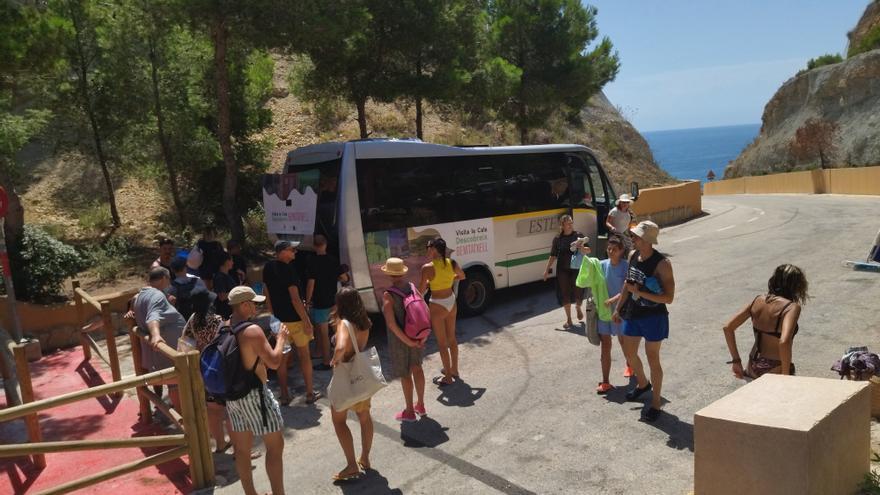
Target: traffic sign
point(4, 202)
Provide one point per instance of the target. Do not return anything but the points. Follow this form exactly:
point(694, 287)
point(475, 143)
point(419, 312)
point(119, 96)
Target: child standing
point(606, 278)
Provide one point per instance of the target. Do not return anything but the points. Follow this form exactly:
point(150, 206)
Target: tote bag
point(592, 322)
point(358, 379)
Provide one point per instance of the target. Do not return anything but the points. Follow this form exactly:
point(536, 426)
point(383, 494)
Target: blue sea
point(691, 153)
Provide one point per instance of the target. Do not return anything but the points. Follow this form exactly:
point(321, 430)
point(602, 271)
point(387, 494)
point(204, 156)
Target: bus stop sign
point(4, 202)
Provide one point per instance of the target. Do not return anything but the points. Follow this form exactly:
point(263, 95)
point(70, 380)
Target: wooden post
point(190, 428)
point(110, 336)
point(81, 321)
point(27, 395)
point(201, 410)
point(146, 416)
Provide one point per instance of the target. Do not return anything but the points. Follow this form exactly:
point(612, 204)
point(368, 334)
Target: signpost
point(14, 321)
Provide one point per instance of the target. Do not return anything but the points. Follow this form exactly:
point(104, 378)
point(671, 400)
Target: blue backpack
point(222, 370)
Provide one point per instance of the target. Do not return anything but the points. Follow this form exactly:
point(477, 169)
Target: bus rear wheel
point(475, 292)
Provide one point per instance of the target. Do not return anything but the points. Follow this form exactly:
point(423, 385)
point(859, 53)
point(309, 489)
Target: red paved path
point(92, 419)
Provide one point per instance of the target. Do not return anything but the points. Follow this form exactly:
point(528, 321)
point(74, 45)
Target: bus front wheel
point(475, 292)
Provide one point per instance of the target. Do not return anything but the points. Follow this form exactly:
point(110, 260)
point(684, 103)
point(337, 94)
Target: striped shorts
point(246, 414)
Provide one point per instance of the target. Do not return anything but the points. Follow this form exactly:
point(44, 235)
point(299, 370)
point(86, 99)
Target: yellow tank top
point(444, 275)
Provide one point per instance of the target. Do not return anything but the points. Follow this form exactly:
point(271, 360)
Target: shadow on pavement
point(423, 433)
point(460, 394)
point(371, 482)
point(681, 434)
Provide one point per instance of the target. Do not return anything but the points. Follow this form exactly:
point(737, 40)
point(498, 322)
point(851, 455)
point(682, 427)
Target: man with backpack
point(409, 321)
point(181, 288)
point(244, 353)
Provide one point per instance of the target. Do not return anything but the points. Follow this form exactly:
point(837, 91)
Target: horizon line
point(701, 127)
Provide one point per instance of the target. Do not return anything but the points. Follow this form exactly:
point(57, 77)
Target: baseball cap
point(243, 293)
point(284, 245)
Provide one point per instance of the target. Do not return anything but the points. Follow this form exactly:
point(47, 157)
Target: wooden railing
point(191, 420)
point(106, 324)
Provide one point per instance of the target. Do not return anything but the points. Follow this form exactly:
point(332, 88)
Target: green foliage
point(109, 260)
point(826, 59)
point(95, 219)
point(870, 41)
point(871, 484)
point(547, 42)
point(46, 263)
point(255, 227)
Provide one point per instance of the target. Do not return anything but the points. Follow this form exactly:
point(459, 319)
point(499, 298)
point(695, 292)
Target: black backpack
point(184, 296)
point(222, 370)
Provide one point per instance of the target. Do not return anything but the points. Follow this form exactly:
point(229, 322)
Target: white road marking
point(722, 229)
point(685, 239)
point(752, 219)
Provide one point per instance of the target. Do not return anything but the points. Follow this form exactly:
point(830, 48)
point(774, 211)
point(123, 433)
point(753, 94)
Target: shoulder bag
point(358, 379)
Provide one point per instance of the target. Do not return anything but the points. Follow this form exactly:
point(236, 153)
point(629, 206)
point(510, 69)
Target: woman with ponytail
point(440, 274)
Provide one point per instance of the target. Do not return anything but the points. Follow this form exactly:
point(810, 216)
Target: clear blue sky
point(688, 64)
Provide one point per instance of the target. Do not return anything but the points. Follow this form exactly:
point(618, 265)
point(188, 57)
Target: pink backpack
point(417, 324)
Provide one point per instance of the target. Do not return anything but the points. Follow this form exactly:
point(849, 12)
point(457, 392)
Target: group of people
point(631, 289)
point(182, 306)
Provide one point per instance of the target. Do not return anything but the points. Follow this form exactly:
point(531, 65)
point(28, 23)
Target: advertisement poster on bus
point(290, 202)
point(468, 241)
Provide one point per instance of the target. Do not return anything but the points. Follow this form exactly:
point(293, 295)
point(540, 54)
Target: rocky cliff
point(846, 94)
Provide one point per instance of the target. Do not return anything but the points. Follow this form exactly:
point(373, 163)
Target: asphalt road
point(528, 420)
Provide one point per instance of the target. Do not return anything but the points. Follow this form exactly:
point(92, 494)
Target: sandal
point(443, 372)
point(440, 381)
point(365, 466)
point(223, 449)
point(313, 397)
point(343, 477)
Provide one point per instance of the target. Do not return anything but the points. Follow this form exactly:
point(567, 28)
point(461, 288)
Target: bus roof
point(403, 148)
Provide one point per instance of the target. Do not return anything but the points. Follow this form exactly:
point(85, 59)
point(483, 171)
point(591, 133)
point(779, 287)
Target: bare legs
point(346, 441)
point(415, 378)
point(305, 365)
point(443, 322)
point(284, 396)
point(324, 341)
point(652, 350)
point(216, 418)
point(242, 442)
point(605, 358)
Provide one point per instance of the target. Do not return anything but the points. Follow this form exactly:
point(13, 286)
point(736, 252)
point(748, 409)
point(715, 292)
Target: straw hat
point(624, 198)
point(395, 267)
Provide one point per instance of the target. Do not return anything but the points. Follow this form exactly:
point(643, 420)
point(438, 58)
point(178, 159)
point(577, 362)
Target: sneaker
point(651, 415)
point(627, 372)
point(406, 416)
point(420, 410)
point(636, 392)
point(604, 388)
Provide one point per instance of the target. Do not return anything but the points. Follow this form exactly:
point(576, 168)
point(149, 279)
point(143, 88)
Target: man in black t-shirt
point(239, 265)
point(282, 291)
point(322, 274)
point(212, 250)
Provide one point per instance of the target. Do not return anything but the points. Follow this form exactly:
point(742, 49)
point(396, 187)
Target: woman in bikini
point(567, 293)
point(440, 274)
point(774, 321)
point(350, 313)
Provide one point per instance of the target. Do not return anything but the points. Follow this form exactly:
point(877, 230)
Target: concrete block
point(784, 435)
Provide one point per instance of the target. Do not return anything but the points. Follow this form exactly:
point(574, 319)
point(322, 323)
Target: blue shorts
point(609, 328)
point(653, 328)
point(320, 315)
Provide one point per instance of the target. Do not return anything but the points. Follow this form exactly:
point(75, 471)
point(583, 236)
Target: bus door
point(583, 209)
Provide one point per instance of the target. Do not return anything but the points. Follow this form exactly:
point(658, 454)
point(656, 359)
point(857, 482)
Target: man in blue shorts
point(322, 274)
point(649, 287)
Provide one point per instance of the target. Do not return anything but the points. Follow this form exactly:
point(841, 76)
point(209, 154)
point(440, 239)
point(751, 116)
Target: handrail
point(19, 449)
point(89, 299)
point(89, 393)
point(165, 349)
point(153, 460)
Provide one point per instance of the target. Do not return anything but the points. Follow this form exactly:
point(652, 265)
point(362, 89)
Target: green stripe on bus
point(523, 261)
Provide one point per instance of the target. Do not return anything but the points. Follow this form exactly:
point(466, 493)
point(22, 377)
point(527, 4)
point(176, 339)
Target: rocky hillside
point(620, 148)
point(846, 94)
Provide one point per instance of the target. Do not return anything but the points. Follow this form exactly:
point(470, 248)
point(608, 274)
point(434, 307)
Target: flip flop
point(364, 467)
point(343, 477)
point(285, 401)
point(440, 381)
point(311, 399)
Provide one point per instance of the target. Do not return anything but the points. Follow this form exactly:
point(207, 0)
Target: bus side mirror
point(634, 190)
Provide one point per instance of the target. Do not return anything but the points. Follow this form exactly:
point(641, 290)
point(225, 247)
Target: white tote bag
point(358, 379)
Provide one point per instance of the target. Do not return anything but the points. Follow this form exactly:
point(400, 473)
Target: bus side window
point(599, 193)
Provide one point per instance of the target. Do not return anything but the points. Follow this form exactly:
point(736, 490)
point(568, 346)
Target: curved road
point(527, 420)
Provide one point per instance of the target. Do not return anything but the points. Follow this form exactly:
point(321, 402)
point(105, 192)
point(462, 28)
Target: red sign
point(4, 202)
